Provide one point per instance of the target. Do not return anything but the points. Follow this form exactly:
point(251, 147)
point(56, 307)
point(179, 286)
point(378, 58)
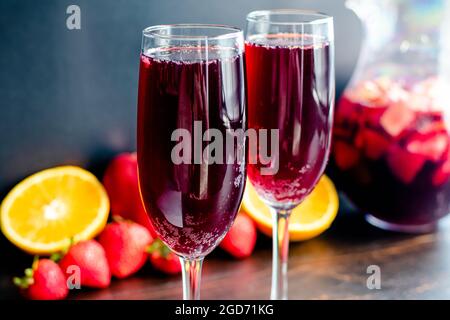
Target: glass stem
point(280, 254)
point(191, 271)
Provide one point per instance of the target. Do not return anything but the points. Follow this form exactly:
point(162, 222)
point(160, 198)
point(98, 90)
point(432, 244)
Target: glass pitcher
point(391, 139)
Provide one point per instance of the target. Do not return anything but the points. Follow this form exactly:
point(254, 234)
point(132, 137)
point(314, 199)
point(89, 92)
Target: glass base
point(421, 228)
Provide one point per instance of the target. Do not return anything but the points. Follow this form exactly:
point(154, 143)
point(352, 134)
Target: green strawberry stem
point(158, 246)
point(27, 279)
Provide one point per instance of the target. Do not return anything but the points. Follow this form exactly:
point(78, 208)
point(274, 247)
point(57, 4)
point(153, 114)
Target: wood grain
point(332, 266)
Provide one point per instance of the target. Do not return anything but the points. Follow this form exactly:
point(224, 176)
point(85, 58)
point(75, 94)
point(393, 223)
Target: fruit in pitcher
point(404, 165)
point(398, 132)
point(396, 119)
point(442, 174)
point(374, 144)
point(432, 146)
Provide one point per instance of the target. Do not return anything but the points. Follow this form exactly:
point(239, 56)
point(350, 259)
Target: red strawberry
point(90, 257)
point(404, 165)
point(44, 281)
point(121, 183)
point(125, 244)
point(241, 238)
point(345, 155)
point(163, 259)
point(397, 118)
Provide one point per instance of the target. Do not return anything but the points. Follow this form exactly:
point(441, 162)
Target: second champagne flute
point(191, 97)
point(290, 74)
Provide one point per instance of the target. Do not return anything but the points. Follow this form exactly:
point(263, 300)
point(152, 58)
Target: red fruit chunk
point(91, 260)
point(241, 238)
point(372, 92)
point(163, 259)
point(125, 245)
point(375, 144)
point(345, 155)
point(372, 115)
point(431, 146)
point(396, 119)
point(441, 175)
point(121, 183)
point(404, 165)
point(44, 281)
point(359, 140)
point(431, 127)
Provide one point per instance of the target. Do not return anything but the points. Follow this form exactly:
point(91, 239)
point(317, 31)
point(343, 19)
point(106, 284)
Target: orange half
point(312, 217)
point(45, 211)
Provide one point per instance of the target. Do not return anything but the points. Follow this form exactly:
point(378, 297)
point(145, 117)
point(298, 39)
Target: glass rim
point(230, 32)
point(263, 16)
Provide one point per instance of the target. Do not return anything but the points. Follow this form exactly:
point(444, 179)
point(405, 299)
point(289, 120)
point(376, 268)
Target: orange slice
point(43, 212)
point(312, 217)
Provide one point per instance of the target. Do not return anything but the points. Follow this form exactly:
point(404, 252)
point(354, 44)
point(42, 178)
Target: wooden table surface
point(332, 266)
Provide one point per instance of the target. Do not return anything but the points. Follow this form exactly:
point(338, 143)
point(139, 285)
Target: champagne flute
point(290, 88)
point(191, 88)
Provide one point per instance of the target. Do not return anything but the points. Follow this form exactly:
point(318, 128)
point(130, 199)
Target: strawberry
point(241, 238)
point(90, 257)
point(121, 184)
point(396, 119)
point(125, 244)
point(163, 259)
point(345, 155)
point(404, 165)
point(43, 281)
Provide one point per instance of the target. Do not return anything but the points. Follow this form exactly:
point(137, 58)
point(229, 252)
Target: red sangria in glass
point(290, 88)
point(191, 87)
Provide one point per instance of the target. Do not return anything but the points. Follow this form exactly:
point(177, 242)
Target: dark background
point(69, 96)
